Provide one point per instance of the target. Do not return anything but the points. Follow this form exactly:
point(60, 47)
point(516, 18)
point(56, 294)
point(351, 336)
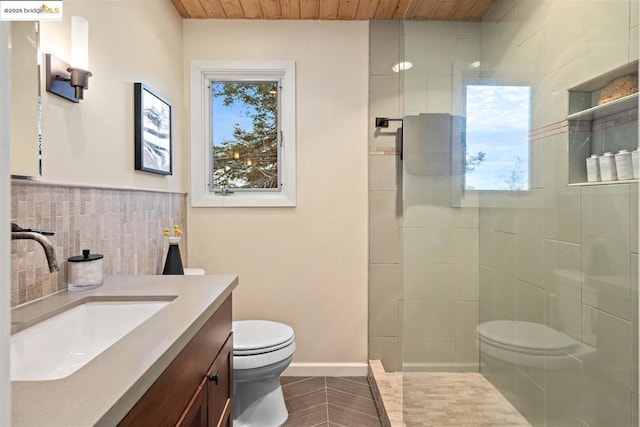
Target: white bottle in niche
point(635, 161)
point(593, 168)
point(608, 167)
point(624, 168)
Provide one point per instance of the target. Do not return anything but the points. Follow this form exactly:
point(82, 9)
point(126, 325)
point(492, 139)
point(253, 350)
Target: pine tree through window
point(245, 143)
point(243, 133)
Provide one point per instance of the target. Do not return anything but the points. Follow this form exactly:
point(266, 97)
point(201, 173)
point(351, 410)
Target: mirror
point(25, 100)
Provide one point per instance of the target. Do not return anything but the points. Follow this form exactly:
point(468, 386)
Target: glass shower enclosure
point(518, 268)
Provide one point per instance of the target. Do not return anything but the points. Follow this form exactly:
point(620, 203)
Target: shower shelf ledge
point(607, 109)
point(584, 184)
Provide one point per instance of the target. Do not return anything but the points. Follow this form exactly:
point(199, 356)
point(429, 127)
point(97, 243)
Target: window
point(242, 133)
point(497, 137)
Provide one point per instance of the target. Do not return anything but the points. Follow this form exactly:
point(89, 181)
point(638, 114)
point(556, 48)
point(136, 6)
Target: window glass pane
point(245, 135)
point(497, 137)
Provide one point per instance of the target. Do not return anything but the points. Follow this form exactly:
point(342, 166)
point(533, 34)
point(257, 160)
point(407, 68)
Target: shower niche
point(601, 119)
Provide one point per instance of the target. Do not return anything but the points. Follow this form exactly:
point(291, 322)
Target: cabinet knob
point(214, 377)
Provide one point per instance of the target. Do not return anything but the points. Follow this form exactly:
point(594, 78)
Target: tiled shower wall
point(384, 197)
point(565, 257)
point(123, 225)
point(423, 278)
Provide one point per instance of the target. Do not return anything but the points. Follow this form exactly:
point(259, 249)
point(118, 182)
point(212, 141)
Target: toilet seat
point(258, 343)
point(529, 344)
point(526, 337)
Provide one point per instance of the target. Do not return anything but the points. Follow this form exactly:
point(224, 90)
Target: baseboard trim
point(326, 370)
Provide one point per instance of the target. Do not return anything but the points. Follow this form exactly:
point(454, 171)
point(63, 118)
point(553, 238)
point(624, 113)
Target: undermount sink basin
point(57, 347)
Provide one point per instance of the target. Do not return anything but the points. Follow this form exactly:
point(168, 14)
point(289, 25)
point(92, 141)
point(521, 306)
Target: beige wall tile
point(441, 316)
point(504, 279)
point(606, 44)
point(124, 226)
point(467, 52)
point(531, 15)
point(383, 173)
point(633, 221)
point(530, 402)
point(383, 300)
point(486, 235)
point(414, 319)
point(384, 101)
point(467, 264)
point(634, 320)
point(415, 29)
point(385, 349)
point(563, 23)
point(563, 286)
point(441, 47)
point(467, 30)
point(605, 248)
point(468, 217)
point(439, 93)
point(486, 294)
point(607, 368)
point(383, 227)
point(531, 303)
point(633, 43)
point(561, 203)
point(384, 45)
point(423, 281)
point(429, 245)
point(467, 318)
point(441, 352)
point(506, 44)
point(488, 41)
point(530, 237)
point(563, 394)
point(505, 211)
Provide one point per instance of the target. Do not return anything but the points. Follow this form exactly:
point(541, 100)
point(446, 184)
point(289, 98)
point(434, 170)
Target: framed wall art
point(153, 139)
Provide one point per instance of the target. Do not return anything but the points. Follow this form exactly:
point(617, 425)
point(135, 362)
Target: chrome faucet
point(18, 233)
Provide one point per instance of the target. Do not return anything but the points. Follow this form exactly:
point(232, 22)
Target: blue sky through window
point(497, 124)
point(225, 117)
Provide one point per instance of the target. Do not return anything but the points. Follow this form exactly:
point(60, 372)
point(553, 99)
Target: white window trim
point(201, 74)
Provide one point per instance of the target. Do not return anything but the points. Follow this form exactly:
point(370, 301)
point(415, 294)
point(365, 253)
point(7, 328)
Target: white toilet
point(262, 350)
point(533, 345)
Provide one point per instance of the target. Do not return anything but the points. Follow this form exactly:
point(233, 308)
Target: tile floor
point(448, 399)
point(329, 401)
point(456, 400)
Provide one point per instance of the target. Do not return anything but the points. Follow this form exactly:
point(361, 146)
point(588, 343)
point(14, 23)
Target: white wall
point(93, 142)
point(5, 215)
point(306, 266)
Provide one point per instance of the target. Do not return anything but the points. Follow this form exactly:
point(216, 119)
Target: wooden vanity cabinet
point(211, 403)
point(196, 388)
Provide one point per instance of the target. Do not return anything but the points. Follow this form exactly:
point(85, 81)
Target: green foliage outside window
point(245, 134)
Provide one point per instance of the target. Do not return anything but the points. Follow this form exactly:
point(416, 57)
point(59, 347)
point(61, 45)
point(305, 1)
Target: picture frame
point(153, 131)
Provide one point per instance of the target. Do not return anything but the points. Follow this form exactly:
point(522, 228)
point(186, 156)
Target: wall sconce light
point(70, 80)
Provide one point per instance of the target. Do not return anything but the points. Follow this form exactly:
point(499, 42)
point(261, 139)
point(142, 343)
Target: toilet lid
point(260, 336)
point(524, 335)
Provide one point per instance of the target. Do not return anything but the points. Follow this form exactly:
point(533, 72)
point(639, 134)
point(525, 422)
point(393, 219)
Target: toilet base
point(259, 403)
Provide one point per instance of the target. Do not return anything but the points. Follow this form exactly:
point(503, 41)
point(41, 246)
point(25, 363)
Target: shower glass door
point(519, 276)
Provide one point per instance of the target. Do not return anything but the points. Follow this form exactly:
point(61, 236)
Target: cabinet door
point(220, 387)
point(195, 415)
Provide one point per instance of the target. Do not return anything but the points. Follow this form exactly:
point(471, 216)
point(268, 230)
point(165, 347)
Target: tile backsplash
point(123, 225)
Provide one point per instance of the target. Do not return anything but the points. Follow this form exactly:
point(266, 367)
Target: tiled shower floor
point(443, 400)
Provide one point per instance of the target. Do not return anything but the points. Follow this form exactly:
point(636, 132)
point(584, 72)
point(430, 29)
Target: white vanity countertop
point(104, 390)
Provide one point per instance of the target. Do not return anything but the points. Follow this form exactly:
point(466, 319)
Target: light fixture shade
point(79, 42)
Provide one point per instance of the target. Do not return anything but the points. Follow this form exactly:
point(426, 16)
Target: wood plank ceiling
point(333, 9)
